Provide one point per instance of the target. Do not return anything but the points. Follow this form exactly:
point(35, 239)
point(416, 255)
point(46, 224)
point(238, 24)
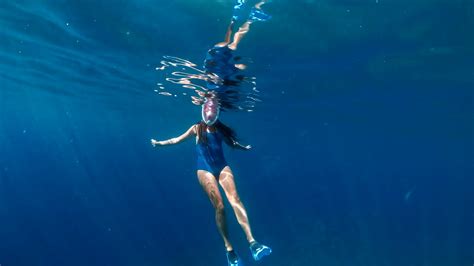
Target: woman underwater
point(212, 168)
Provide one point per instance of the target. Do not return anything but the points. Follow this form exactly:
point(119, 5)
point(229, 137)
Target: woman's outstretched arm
point(190, 132)
point(237, 145)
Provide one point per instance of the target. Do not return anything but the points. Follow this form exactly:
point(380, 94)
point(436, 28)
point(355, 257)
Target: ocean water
point(363, 144)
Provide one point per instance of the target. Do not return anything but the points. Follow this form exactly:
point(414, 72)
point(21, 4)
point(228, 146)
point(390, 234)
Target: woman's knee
point(234, 199)
point(219, 206)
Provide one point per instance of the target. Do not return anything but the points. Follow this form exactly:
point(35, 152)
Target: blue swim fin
point(238, 9)
point(233, 259)
point(258, 15)
point(259, 251)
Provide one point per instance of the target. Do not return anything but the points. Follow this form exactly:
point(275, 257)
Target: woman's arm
point(237, 145)
point(191, 131)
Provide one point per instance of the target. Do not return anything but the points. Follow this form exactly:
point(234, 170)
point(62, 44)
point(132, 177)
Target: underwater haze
point(363, 142)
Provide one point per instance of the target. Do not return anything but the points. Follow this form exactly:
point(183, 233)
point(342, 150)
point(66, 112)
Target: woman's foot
point(233, 258)
point(259, 251)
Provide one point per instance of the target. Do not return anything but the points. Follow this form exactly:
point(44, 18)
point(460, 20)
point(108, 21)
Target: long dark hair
point(229, 134)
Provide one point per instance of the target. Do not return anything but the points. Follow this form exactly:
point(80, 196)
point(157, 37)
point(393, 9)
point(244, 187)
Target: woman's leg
point(228, 35)
point(244, 29)
point(226, 180)
point(209, 184)
point(239, 35)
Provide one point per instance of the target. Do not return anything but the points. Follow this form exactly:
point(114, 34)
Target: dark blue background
point(363, 146)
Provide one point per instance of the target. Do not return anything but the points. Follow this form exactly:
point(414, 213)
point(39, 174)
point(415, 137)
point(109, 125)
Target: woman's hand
point(154, 142)
point(236, 144)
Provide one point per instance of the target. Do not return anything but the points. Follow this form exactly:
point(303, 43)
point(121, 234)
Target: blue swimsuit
point(220, 61)
point(210, 156)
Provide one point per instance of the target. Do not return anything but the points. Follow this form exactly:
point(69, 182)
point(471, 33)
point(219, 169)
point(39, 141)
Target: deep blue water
point(363, 145)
